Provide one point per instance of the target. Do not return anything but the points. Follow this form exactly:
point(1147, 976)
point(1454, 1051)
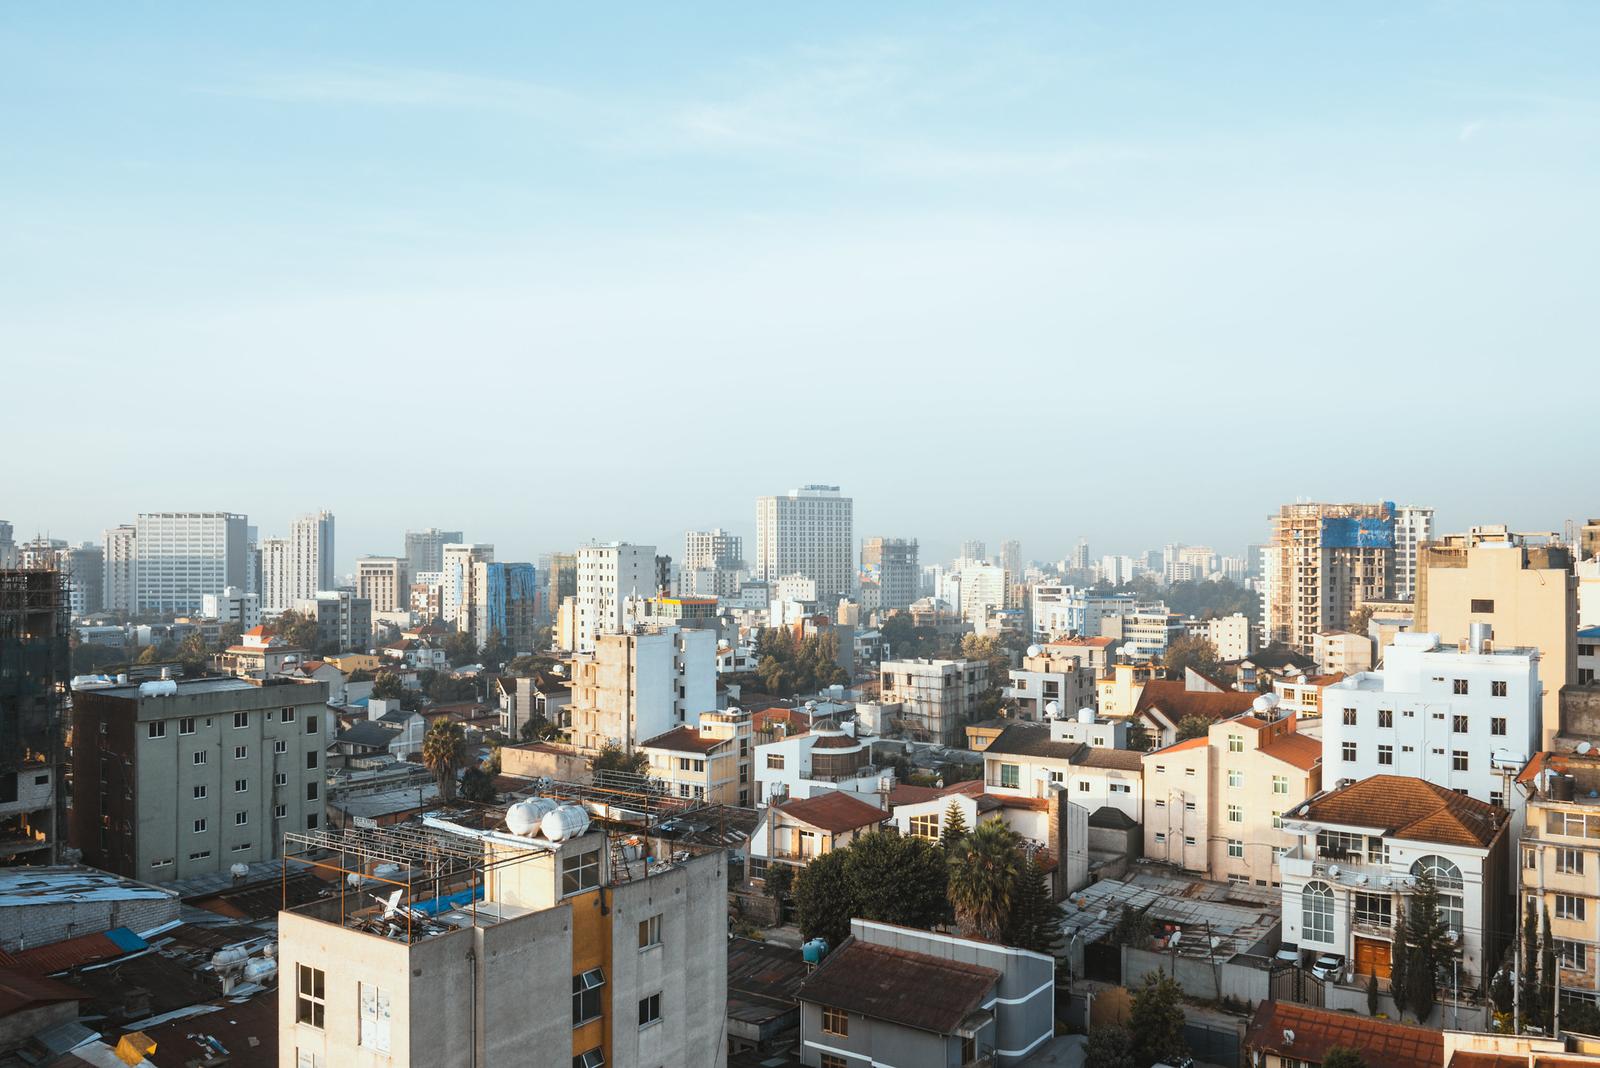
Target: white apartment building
point(182, 556)
point(1028, 760)
point(383, 581)
point(455, 575)
point(827, 757)
point(1339, 652)
point(607, 576)
point(892, 564)
point(1059, 680)
point(1230, 635)
point(120, 587)
point(310, 555)
point(1413, 526)
point(931, 698)
point(275, 571)
point(1145, 632)
point(1466, 720)
point(233, 605)
point(633, 687)
point(808, 530)
point(983, 587)
point(714, 548)
point(425, 548)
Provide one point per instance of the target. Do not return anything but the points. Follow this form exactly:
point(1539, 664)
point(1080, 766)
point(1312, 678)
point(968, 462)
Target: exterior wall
point(934, 693)
point(182, 556)
point(425, 549)
point(54, 919)
point(1231, 636)
point(1531, 599)
point(637, 686)
point(808, 531)
point(383, 580)
point(1042, 679)
point(607, 576)
point(1342, 652)
point(120, 587)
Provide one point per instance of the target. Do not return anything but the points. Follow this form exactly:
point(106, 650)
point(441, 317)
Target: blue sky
point(1031, 271)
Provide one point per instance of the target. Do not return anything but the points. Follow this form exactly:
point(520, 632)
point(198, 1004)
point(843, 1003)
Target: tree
point(386, 686)
point(983, 879)
point(1138, 737)
point(477, 785)
point(538, 729)
point(230, 635)
point(459, 648)
point(1372, 995)
point(1399, 966)
point(1343, 1057)
point(1500, 991)
point(1360, 617)
point(443, 752)
point(495, 651)
point(1427, 937)
point(1156, 1020)
point(1580, 1016)
point(822, 905)
point(779, 885)
point(150, 655)
point(1110, 1047)
point(1547, 976)
point(1528, 970)
point(1191, 651)
point(955, 827)
point(1193, 726)
point(1035, 921)
point(612, 758)
point(296, 629)
point(896, 879)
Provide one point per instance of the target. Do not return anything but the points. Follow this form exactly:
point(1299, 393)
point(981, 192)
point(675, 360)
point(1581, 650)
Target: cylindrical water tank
point(568, 821)
point(813, 951)
point(1085, 715)
point(1051, 709)
point(224, 958)
point(260, 971)
point(523, 817)
point(239, 871)
point(270, 950)
point(1034, 650)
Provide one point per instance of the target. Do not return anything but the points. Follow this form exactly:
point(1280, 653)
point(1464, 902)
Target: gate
point(1289, 982)
point(1212, 1044)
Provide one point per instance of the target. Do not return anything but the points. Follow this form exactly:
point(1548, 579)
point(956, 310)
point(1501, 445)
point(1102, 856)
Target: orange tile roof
point(834, 811)
point(1411, 809)
point(1192, 743)
point(1316, 1031)
point(1300, 750)
point(1174, 701)
point(907, 794)
point(683, 740)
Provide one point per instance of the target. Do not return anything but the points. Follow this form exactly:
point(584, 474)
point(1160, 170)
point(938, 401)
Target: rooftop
point(911, 989)
point(834, 811)
point(1408, 808)
point(1032, 739)
point(683, 740)
point(41, 886)
point(1175, 700)
point(1307, 1034)
point(1240, 917)
point(1296, 749)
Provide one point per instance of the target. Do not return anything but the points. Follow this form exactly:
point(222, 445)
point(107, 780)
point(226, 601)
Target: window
point(1447, 877)
point(157, 728)
point(1010, 775)
point(311, 760)
point(200, 757)
point(241, 786)
point(775, 761)
point(1188, 839)
point(240, 819)
point(586, 996)
point(1337, 844)
point(1280, 784)
point(1373, 910)
point(1458, 724)
point(1188, 806)
point(1497, 726)
point(280, 812)
point(311, 791)
point(1482, 604)
point(1235, 779)
point(1189, 772)
point(200, 826)
point(833, 1060)
point(240, 752)
point(286, 716)
point(650, 932)
point(1569, 907)
point(1569, 861)
point(1498, 688)
point(1349, 717)
point(1161, 769)
point(280, 778)
point(1386, 717)
point(925, 826)
point(186, 726)
point(1458, 686)
point(280, 746)
point(1083, 784)
point(1316, 912)
point(199, 792)
point(1235, 813)
point(1160, 837)
point(649, 1010)
point(310, 997)
point(311, 822)
point(1235, 848)
point(969, 1049)
point(1235, 745)
point(835, 1022)
point(311, 724)
point(580, 871)
point(1347, 750)
point(1161, 804)
point(590, 1058)
point(1458, 759)
point(240, 720)
point(202, 855)
point(1573, 955)
point(1385, 754)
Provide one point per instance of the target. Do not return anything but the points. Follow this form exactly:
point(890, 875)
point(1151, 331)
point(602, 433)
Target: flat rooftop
point(186, 687)
point(42, 886)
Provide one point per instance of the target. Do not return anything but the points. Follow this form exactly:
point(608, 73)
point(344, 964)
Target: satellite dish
point(1583, 748)
point(1034, 650)
point(1288, 1037)
point(1333, 871)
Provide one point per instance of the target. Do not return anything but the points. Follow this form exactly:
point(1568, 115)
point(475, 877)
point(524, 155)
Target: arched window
point(1316, 905)
point(1447, 878)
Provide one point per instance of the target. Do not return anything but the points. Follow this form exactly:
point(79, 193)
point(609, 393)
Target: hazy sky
point(550, 273)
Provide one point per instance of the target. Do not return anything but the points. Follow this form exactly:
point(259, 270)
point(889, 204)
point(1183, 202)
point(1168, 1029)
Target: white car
point(1328, 966)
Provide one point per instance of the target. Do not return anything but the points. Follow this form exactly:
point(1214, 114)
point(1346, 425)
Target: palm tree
point(983, 878)
point(443, 752)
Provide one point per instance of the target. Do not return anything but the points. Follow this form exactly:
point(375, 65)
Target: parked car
point(1328, 966)
point(1287, 955)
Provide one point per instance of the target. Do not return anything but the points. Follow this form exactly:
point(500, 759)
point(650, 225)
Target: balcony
point(1355, 872)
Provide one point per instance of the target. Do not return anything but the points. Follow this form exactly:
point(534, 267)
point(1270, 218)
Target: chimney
point(1056, 835)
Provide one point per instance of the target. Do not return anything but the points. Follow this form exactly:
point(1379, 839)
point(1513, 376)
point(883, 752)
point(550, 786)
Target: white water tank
point(229, 957)
point(1085, 715)
point(522, 818)
point(239, 871)
point(164, 688)
point(260, 971)
point(1051, 710)
point(1265, 703)
point(1034, 650)
point(568, 821)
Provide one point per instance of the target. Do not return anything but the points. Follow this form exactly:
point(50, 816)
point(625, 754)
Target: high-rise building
point(425, 549)
point(1011, 559)
point(8, 545)
point(118, 586)
point(383, 580)
point(1413, 528)
point(85, 568)
point(188, 777)
point(973, 549)
point(34, 667)
point(633, 687)
point(1522, 585)
point(344, 621)
point(455, 576)
point(1080, 555)
point(892, 563)
point(713, 548)
point(503, 599)
point(182, 556)
point(1323, 562)
point(607, 576)
point(559, 572)
point(1589, 540)
point(311, 555)
point(275, 597)
point(983, 587)
point(252, 571)
point(807, 531)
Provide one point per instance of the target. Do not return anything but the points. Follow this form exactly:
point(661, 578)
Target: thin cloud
point(408, 87)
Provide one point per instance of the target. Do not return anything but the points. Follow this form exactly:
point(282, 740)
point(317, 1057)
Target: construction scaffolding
point(34, 669)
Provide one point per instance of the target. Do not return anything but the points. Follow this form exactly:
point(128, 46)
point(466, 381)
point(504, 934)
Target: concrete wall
point(17, 1027)
point(1199, 978)
point(539, 759)
point(22, 926)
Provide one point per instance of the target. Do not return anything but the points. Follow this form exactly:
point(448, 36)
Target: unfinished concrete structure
point(33, 683)
point(1324, 561)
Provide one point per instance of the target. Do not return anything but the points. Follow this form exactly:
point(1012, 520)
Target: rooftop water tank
point(260, 971)
point(239, 871)
point(164, 688)
point(1034, 650)
point(1085, 715)
point(522, 818)
point(813, 951)
point(1051, 710)
point(226, 958)
point(568, 821)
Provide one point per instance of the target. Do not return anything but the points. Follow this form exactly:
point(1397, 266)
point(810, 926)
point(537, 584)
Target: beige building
point(1230, 635)
point(1522, 585)
point(383, 581)
point(934, 696)
point(1340, 652)
point(1118, 693)
point(795, 832)
point(562, 958)
point(710, 763)
point(1323, 562)
point(638, 686)
point(1212, 805)
point(1056, 682)
point(1560, 866)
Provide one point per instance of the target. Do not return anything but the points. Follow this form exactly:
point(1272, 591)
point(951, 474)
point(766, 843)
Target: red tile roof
point(1316, 1031)
point(834, 811)
point(907, 794)
point(65, 954)
point(1172, 700)
point(910, 989)
point(1178, 747)
point(1411, 809)
point(1300, 750)
point(683, 740)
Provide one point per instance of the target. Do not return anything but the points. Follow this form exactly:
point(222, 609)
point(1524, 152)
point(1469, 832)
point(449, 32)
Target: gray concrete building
point(173, 779)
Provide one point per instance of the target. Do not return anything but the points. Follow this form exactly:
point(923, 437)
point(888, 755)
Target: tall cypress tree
point(1399, 965)
point(1547, 977)
point(1528, 969)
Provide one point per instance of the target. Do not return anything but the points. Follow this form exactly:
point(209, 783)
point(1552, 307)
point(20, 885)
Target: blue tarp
point(451, 901)
point(126, 940)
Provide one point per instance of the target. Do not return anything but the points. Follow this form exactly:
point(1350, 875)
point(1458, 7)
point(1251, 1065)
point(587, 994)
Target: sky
point(1035, 271)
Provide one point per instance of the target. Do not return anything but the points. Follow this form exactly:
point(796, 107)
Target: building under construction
point(33, 686)
point(1324, 562)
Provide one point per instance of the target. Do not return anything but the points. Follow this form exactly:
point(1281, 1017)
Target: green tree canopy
point(822, 903)
point(955, 827)
point(1193, 726)
point(897, 879)
point(477, 785)
point(459, 648)
point(984, 869)
point(443, 753)
point(1191, 651)
point(1156, 1020)
point(1035, 921)
point(1111, 1047)
point(386, 686)
point(296, 629)
point(611, 757)
point(1343, 1057)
